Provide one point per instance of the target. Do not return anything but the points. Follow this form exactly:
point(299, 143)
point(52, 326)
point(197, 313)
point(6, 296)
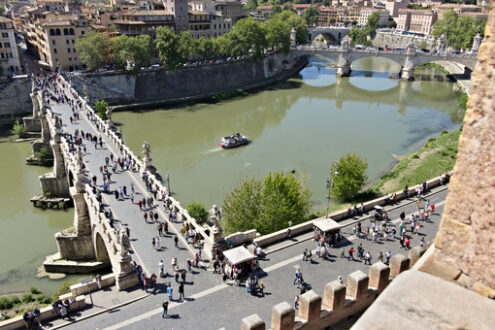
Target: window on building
point(82, 32)
point(2, 55)
point(52, 32)
point(6, 44)
point(5, 35)
point(54, 42)
point(71, 31)
point(73, 41)
point(74, 50)
point(67, 41)
point(70, 58)
point(57, 32)
point(66, 32)
point(68, 50)
point(55, 50)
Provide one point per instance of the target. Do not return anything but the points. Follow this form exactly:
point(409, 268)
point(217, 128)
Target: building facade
point(418, 21)
point(394, 6)
point(180, 11)
point(9, 54)
point(57, 42)
point(138, 22)
point(366, 12)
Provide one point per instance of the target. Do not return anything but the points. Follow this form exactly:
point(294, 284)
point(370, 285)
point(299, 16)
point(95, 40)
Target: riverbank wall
point(161, 87)
point(15, 102)
point(386, 39)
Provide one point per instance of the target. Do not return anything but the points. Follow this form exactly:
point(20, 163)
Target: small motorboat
point(233, 141)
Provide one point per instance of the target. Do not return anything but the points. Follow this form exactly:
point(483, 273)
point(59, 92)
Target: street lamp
point(329, 185)
point(168, 183)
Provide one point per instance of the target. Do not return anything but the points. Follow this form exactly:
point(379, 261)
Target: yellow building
point(56, 42)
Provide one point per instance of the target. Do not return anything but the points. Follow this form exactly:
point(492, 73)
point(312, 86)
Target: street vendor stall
point(328, 228)
point(238, 260)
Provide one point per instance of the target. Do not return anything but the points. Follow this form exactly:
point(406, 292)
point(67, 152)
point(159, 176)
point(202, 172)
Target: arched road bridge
point(408, 58)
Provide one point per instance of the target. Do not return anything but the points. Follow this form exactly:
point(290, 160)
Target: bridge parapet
point(211, 240)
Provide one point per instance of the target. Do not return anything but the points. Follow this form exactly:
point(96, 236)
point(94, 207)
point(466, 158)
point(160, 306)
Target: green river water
point(302, 124)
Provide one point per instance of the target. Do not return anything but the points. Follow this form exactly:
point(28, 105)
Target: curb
point(102, 311)
point(350, 223)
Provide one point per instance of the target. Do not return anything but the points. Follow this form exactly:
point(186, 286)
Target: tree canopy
point(167, 44)
point(459, 30)
point(94, 49)
point(266, 205)
point(198, 211)
point(360, 35)
point(132, 53)
point(348, 176)
point(310, 15)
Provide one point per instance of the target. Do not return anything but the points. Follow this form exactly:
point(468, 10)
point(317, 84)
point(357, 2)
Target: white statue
point(216, 216)
point(124, 243)
point(146, 150)
point(109, 114)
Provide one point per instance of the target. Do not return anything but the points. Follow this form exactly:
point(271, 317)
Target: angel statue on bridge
point(125, 243)
point(216, 216)
point(146, 150)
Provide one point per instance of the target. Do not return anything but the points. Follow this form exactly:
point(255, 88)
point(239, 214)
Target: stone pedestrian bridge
point(97, 238)
point(408, 58)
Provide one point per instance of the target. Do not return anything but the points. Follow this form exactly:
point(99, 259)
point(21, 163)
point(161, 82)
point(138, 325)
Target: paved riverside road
point(211, 303)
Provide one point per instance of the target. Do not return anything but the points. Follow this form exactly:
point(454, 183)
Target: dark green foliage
point(132, 53)
point(101, 109)
point(198, 211)
point(94, 49)
point(350, 178)
point(266, 205)
point(459, 30)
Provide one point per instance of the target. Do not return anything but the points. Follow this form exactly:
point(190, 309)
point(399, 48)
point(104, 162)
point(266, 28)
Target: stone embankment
point(158, 87)
point(14, 99)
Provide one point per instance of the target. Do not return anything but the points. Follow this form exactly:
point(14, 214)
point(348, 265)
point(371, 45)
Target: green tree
point(101, 109)
point(198, 211)
point(132, 53)
point(359, 36)
point(288, 7)
point(206, 48)
point(249, 35)
point(94, 49)
point(18, 128)
point(291, 18)
point(275, 10)
point(459, 31)
point(188, 46)
point(310, 15)
point(372, 23)
point(278, 35)
point(251, 5)
point(167, 44)
point(266, 205)
point(350, 176)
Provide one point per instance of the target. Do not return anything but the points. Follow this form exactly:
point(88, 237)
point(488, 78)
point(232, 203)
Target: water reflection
point(302, 124)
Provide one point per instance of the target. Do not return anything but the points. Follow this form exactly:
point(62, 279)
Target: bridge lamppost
point(330, 185)
point(168, 183)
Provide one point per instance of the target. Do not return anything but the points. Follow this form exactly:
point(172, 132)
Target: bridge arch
point(328, 38)
point(101, 249)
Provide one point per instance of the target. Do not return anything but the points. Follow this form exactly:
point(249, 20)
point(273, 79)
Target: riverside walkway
point(207, 296)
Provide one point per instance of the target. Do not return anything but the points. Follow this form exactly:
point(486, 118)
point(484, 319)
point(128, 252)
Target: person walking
point(388, 255)
point(351, 254)
point(170, 292)
point(181, 291)
point(367, 258)
point(176, 241)
point(165, 308)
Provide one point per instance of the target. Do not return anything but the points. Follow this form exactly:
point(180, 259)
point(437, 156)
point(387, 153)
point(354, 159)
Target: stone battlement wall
point(339, 301)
